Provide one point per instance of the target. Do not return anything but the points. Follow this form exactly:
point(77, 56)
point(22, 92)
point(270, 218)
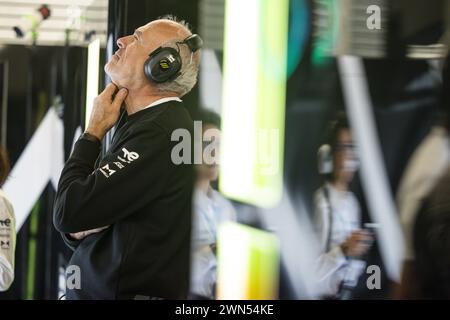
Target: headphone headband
point(194, 42)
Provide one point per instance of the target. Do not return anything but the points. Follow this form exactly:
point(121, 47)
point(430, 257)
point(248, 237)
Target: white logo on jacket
point(127, 158)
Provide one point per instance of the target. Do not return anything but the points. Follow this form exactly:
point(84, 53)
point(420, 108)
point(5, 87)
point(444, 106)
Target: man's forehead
point(145, 26)
point(164, 26)
point(143, 29)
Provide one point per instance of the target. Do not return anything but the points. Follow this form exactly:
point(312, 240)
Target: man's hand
point(83, 234)
point(106, 110)
point(357, 244)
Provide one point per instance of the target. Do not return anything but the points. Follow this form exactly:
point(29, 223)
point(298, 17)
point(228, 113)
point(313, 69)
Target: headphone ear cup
point(162, 65)
point(325, 159)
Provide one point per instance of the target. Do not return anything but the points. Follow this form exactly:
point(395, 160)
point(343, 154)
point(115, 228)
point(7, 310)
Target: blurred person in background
point(431, 243)
point(7, 229)
point(426, 166)
point(337, 215)
point(210, 210)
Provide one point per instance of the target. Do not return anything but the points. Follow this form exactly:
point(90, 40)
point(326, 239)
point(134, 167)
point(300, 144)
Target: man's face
point(126, 67)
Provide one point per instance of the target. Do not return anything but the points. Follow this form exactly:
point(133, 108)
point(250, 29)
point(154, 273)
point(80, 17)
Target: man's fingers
point(110, 90)
point(120, 97)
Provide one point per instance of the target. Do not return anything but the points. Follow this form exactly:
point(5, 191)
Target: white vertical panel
point(373, 172)
point(92, 76)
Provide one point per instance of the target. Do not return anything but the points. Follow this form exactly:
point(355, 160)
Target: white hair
point(190, 64)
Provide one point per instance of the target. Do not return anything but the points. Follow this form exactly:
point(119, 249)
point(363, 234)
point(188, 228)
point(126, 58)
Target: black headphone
point(164, 63)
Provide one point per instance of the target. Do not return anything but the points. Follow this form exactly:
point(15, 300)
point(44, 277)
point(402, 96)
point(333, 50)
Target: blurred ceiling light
point(30, 22)
point(74, 14)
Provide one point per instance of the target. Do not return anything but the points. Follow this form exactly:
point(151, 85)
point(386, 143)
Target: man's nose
point(122, 42)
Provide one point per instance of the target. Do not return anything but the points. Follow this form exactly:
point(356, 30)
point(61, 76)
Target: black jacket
point(143, 197)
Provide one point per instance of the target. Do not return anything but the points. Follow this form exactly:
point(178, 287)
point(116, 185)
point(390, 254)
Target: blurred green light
point(327, 33)
point(248, 263)
point(255, 65)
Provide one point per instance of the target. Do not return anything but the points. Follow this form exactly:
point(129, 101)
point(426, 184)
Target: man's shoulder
point(175, 115)
point(172, 115)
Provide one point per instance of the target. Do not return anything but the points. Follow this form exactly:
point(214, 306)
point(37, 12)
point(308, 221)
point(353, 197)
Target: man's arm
point(72, 240)
point(125, 180)
point(89, 198)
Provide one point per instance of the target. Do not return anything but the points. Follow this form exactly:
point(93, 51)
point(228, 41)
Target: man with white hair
point(128, 218)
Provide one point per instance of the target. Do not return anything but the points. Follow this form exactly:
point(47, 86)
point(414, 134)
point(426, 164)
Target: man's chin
point(110, 74)
point(107, 69)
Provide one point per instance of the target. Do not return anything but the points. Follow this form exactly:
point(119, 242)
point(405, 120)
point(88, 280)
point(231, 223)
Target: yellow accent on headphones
point(163, 64)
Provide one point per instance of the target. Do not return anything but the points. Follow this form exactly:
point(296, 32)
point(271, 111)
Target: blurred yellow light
point(248, 263)
point(255, 70)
